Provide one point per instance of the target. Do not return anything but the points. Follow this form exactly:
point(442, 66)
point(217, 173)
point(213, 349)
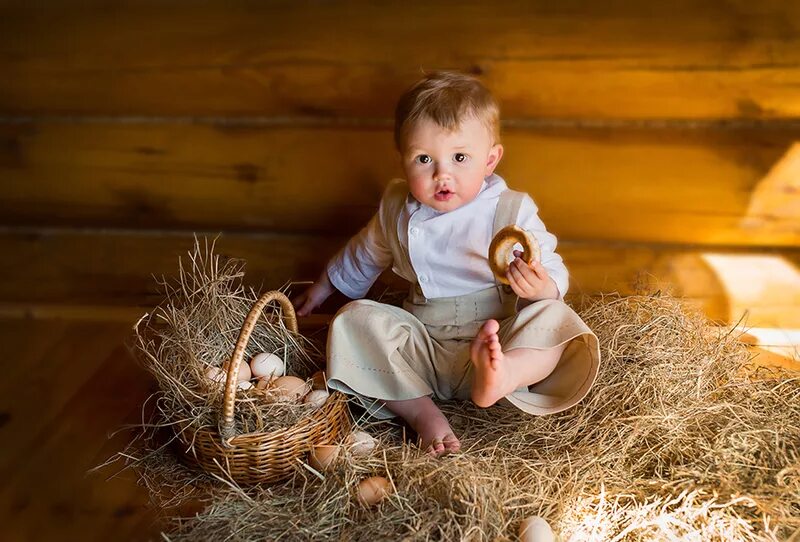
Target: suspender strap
point(506, 214)
point(507, 210)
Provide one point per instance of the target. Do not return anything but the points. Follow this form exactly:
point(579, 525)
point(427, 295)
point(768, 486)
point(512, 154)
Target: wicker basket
point(254, 458)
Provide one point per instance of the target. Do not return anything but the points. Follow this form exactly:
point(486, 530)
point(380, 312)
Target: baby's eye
point(460, 157)
point(423, 159)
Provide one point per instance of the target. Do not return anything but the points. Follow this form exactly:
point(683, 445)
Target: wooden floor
point(67, 386)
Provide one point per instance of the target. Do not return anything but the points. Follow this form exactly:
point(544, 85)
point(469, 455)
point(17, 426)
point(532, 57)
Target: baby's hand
point(313, 296)
point(532, 281)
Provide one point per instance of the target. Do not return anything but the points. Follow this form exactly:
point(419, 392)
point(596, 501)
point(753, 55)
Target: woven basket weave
point(267, 457)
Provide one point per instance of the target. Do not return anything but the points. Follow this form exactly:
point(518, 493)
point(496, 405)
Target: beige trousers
point(381, 352)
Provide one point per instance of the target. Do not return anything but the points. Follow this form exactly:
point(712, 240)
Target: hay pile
point(675, 441)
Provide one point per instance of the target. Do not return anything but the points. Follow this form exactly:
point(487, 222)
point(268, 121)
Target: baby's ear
point(495, 154)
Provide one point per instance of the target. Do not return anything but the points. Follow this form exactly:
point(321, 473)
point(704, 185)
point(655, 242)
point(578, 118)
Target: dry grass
point(674, 442)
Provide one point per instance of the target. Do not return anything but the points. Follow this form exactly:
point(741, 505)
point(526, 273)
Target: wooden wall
point(648, 133)
point(658, 138)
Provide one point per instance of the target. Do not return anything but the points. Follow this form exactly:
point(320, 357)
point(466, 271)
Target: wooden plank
point(693, 186)
point(682, 59)
point(101, 269)
point(120, 269)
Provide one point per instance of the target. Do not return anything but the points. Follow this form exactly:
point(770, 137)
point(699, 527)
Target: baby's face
point(445, 169)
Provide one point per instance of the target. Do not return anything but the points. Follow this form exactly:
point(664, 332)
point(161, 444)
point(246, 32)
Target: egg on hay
point(263, 383)
point(316, 398)
point(370, 491)
point(535, 529)
point(244, 371)
point(360, 443)
point(215, 374)
point(288, 388)
point(267, 365)
point(323, 456)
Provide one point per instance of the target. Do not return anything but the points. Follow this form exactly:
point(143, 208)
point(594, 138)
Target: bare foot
point(493, 378)
point(433, 429)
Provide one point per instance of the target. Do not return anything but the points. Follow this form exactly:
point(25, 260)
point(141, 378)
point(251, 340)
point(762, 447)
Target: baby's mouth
point(443, 195)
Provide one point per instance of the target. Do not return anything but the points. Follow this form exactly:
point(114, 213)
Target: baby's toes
point(436, 448)
point(452, 445)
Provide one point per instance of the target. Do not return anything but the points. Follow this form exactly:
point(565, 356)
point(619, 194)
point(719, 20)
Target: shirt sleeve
point(356, 267)
point(552, 262)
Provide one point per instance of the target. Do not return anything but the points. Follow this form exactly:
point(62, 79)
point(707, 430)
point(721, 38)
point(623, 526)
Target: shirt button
point(414, 231)
point(423, 278)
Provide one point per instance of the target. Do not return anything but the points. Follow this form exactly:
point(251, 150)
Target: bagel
point(502, 246)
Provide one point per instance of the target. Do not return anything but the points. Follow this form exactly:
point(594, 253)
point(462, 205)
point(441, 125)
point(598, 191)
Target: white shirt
point(448, 250)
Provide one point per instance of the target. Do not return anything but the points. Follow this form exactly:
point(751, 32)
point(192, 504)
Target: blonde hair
point(446, 98)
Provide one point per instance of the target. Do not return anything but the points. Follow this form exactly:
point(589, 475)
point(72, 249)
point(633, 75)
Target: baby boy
point(460, 334)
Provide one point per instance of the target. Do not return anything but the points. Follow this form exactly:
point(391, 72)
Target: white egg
point(360, 443)
point(245, 385)
point(535, 529)
point(316, 398)
point(264, 364)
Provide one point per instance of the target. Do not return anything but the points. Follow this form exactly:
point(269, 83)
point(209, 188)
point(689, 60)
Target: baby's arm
point(352, 271)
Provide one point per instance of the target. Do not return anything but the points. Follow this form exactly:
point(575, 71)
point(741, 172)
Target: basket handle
point(226, 425)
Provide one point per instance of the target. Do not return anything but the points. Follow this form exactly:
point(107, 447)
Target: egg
point(244, 371)
point(318, 381)
point(263, 382)
point(289, 388)
point(371, 491)
point(264, 364)
point(244, 385)
point(321, 457)
point(316, 398)
point(360, 443)
point(215, 374)
point(535, 529)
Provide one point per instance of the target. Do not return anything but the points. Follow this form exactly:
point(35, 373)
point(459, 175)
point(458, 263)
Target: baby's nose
point(441, 172)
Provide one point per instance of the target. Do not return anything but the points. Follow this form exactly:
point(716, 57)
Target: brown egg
point(321, 457)
point(318, 381)
point(244, 372)
point(371, 491)
point(262, 383)
point(289, 388)
point(535, 529)
point(316, 398)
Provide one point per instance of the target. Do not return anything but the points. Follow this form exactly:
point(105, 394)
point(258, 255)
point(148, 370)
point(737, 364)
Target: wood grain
point(681, 59)
point(670, 185)
point(104, 270)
